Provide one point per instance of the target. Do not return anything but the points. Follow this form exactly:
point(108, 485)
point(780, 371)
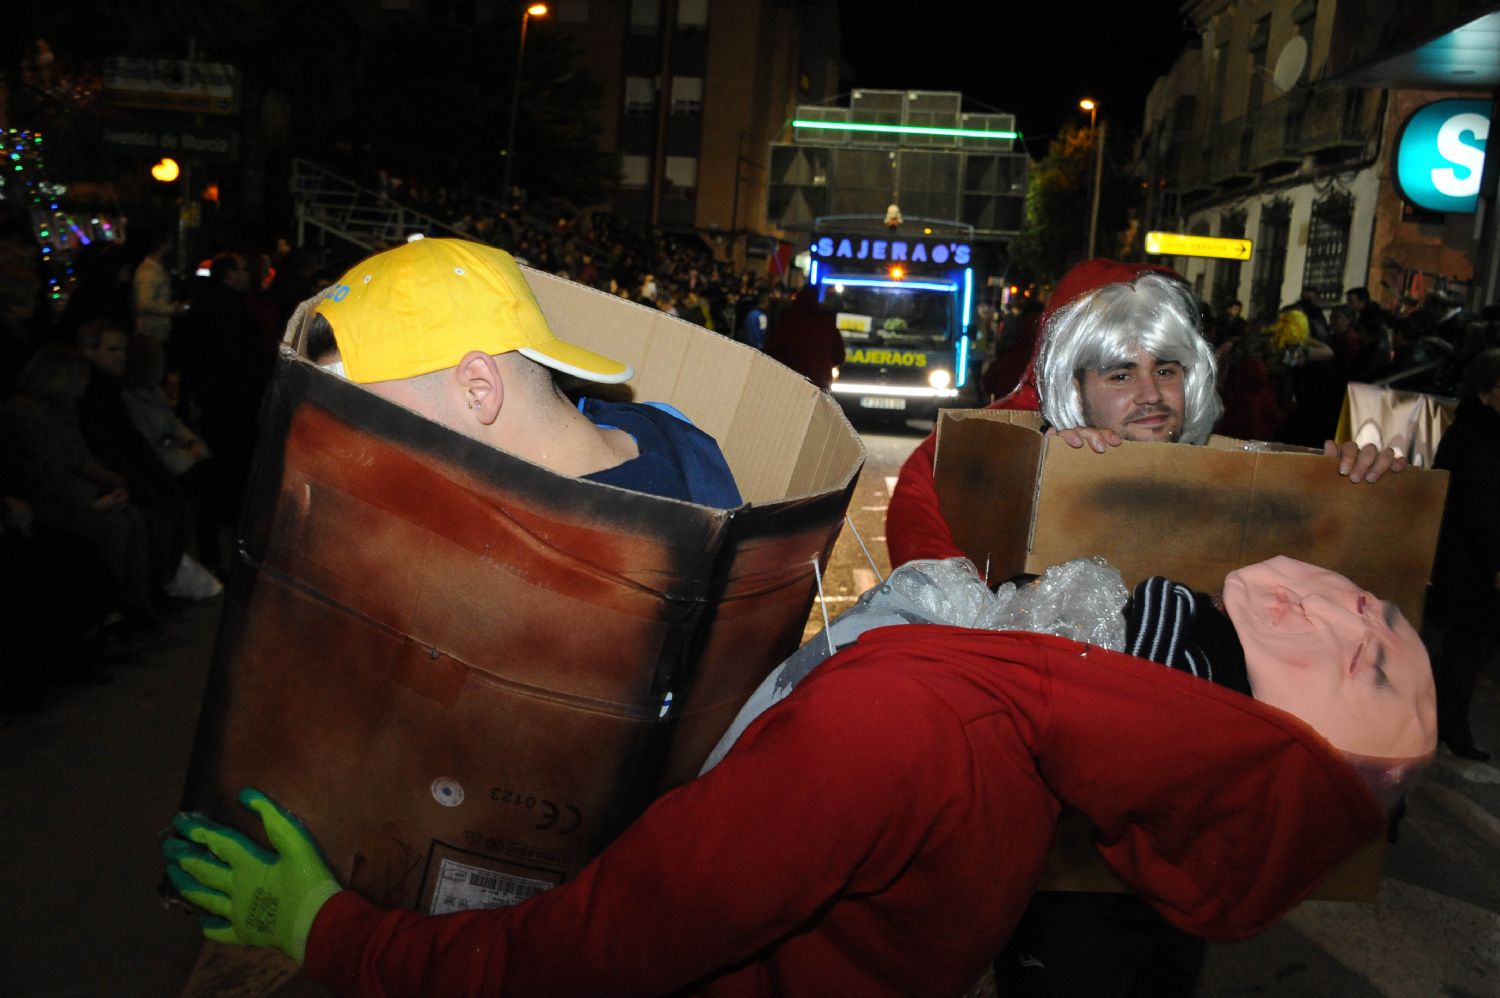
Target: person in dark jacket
point(806, 339)
point(1463, 607)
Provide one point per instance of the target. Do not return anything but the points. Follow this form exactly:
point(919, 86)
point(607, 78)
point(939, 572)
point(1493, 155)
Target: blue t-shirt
point(677, 460)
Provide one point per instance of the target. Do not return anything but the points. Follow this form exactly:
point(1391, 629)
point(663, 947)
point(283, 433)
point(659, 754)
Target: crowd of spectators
point(127, 421)
point(1285, 378)
point(679, 273)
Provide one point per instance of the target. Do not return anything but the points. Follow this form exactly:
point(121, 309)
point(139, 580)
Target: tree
point(1059, 192)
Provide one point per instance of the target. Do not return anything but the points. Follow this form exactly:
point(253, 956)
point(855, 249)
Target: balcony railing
point(1335, 119)
point(1229, 151)
point(1272, 133)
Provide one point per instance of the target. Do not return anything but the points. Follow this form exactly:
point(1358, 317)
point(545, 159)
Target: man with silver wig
point(1133, 361)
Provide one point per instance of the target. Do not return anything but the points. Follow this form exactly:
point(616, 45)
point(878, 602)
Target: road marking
point(890, 484)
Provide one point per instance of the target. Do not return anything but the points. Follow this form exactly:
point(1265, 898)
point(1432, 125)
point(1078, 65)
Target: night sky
point(1035, 59)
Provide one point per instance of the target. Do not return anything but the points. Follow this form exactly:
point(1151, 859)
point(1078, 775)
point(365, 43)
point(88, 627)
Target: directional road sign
point(1182, 244)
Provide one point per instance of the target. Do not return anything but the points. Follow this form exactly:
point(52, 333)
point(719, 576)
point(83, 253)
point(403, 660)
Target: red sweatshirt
point(914, 524)
point(880, 831)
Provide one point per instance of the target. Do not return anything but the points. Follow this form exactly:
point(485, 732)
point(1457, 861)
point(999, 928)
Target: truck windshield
point(896, 316)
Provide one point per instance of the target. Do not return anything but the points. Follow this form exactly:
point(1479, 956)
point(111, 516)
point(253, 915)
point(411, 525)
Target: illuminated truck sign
point(903, 308)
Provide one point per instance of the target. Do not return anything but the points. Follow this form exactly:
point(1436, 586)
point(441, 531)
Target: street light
point(1097, 134)
point(531, 10)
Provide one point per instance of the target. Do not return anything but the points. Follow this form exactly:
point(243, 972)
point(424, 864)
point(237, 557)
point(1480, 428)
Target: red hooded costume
point(914, 525)
point(881, 830)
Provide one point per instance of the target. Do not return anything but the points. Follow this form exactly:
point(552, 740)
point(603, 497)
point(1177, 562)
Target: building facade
point(695, 91)
point(1254, 134)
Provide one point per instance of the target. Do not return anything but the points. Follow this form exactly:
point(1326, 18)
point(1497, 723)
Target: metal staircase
point(337, 206)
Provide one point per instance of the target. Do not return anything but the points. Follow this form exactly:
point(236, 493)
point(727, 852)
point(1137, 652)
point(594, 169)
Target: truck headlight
point(940, 379)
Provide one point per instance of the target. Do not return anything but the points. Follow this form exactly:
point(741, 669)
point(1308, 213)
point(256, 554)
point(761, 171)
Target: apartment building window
point(692, 14)
point(645, 15)
point(682, 175)
point(1259, 40)
point(1270, 260)
point(572, 11)
point(640, 95)
point(687, 94)
point(1227, 272)
point(1221, 77)
point(635, 171)
point(1328, 247)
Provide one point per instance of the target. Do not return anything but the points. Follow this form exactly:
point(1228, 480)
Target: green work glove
point(252, 895)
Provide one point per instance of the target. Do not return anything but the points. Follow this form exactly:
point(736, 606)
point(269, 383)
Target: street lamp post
point(531, 10)
point(1096, 132)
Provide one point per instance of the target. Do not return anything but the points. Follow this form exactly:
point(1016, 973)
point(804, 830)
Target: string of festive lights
point(57, 232)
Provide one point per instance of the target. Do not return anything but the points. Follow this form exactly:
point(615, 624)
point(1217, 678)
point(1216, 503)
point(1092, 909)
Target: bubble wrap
point(947, 592)
point(1082, 599)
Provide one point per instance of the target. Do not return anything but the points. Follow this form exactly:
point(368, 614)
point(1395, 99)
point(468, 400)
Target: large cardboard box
point(467, 673)
point(1019, 501)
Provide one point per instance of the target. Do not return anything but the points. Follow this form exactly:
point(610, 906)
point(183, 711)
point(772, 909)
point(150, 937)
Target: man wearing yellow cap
point(450, 330)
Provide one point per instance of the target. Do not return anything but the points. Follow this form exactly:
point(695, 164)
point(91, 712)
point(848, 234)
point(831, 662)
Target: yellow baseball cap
point(421, 306)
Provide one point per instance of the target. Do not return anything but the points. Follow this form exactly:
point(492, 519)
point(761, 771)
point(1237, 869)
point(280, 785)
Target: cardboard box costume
point(468, 672)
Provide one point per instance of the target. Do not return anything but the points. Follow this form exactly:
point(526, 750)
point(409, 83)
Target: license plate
point(881, 402)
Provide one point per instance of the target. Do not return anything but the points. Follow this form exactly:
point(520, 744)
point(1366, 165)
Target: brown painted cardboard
point(466, 673)
point(1018, 502)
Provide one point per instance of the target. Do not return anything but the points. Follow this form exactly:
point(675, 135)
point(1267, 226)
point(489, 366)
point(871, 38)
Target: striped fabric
point(1169, 623)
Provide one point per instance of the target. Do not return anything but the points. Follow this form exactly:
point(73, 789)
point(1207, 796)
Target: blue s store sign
point(1440, 155)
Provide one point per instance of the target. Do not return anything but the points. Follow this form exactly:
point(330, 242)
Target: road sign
point(200, 143)
point(172, 85)
point(1182, 244)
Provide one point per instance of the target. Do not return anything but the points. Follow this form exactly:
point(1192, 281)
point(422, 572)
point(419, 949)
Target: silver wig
point(1106, 327)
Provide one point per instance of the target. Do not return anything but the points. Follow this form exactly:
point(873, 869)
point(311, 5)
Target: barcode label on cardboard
point(462, 887)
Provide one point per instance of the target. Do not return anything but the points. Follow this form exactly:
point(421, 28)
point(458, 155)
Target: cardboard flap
point(986, 476)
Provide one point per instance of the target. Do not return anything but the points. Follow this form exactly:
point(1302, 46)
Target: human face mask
point(1339, 658)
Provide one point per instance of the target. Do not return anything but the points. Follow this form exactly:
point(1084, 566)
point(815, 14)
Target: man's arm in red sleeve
point(914, 524)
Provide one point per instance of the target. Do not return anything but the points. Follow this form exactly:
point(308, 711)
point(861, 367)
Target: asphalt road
point(88, 784)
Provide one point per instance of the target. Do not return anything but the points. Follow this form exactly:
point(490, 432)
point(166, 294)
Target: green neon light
point(853, 126)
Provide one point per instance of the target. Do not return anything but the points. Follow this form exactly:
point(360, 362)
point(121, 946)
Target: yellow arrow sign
point(1182, 244)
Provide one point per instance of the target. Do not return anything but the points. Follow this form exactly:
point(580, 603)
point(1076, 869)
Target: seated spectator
point(181, 450)
point(63, 482)
point(115, 442)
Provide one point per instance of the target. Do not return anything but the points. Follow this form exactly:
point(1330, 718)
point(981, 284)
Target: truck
point(904, 305)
